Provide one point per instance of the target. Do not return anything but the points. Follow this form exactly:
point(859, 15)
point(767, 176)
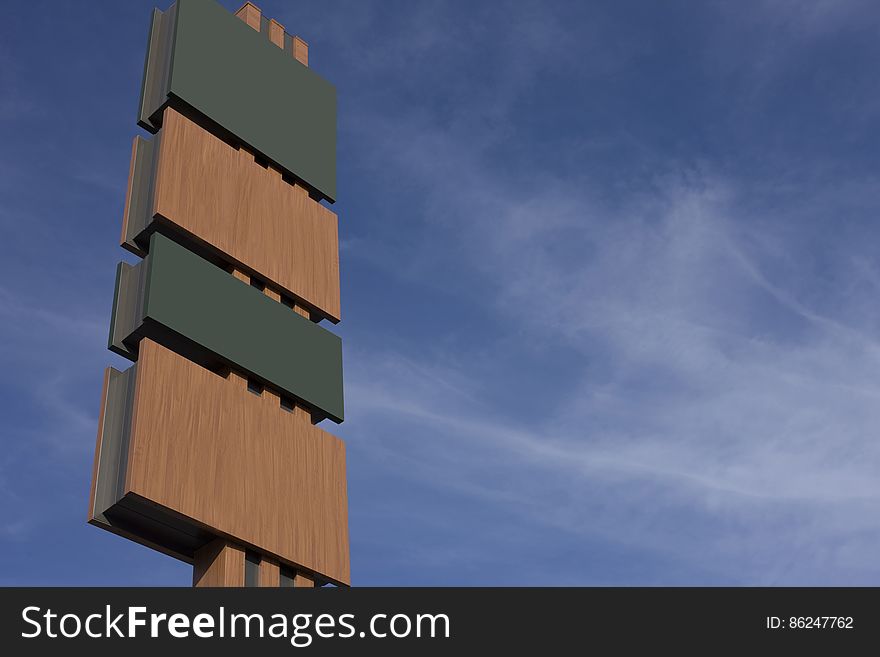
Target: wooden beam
point(270, 573)
point(241, 275)
point(301, 581)
point(276, 33)
point(301, 51)
point(219, 563)
point(251, 15)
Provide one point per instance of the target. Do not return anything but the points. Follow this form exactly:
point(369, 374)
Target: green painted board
point(202, 57)
point(184, 302)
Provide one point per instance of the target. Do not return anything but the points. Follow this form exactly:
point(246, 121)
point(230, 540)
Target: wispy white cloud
point(733, 421)
point(716, 385)
point(52, 351)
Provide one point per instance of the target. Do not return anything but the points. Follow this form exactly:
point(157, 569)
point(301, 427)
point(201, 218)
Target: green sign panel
point(207, 63)
point(184, 302)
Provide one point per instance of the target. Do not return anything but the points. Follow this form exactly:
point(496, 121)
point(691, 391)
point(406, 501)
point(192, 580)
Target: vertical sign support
point(209, 447)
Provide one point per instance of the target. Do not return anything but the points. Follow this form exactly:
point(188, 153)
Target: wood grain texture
point(239, 464)
point(302, 413)
point(250, 14)
point(270, 573)
point(272, 398)
point(301, 581)
point(219, 563)
point(276, 33)
point(221, 196)
point(237, 379)
point(301, 51)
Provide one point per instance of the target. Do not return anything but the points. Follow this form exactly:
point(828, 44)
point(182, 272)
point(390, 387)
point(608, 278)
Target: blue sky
point(610, 287)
